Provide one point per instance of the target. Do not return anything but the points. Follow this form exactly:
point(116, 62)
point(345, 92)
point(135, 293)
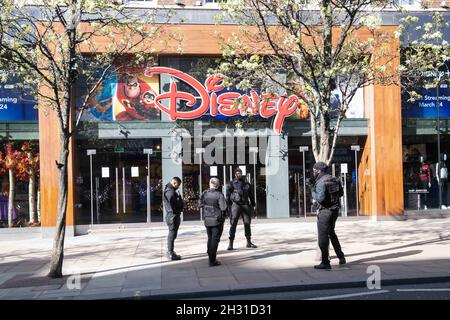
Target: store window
point(19, 154)
point(19, 184)
point(343, 166)
point(426, 145)
point(114, 184)
point(425, 177)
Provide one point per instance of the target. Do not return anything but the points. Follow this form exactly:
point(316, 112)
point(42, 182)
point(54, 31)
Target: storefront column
point(49, 153)
point(171, 161)
point(277, 176)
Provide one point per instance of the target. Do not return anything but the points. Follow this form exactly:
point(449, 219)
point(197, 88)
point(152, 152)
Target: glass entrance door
point(121, 190)
point(115, 184)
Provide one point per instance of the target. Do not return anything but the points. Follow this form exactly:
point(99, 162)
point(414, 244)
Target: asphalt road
point(431, 291)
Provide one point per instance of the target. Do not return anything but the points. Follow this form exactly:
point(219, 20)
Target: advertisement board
point(16, 102)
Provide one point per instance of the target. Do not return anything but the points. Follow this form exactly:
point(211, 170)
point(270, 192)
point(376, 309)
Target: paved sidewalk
point(131, 263)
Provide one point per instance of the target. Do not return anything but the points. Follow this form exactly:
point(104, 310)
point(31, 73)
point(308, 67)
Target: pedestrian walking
point(242, 203)
point(173, 203)
point(326, 192)
point(214, 206)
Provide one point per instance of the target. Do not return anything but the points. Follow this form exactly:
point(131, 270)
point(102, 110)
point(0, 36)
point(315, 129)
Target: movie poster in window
point(127, 95)
point(135, 96)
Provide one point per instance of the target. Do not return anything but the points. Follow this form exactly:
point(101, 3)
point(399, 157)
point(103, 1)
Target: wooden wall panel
point(382, 155)
point(49, 153)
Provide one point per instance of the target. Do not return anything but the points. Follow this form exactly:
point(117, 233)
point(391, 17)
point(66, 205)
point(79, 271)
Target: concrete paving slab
point(120, 264)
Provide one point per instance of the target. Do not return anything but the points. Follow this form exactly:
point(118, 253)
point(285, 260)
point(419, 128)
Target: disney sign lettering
point(228, 103)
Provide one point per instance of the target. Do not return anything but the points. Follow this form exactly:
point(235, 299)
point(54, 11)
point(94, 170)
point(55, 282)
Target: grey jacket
point(214, 206)
point(321, 195)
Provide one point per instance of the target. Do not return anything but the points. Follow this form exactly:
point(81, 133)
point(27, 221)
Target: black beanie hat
point(320, 166)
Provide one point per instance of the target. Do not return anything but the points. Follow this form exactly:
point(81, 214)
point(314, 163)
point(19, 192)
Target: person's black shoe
point(323, 266)
point(250, 245)
point(342, 261)
point(215, 263)
point(173, 256)
point(230, 246)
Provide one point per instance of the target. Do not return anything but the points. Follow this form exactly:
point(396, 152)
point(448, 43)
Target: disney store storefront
point(127, 150)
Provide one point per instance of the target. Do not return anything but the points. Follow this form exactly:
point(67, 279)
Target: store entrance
point(116, 186)
point(196, 180)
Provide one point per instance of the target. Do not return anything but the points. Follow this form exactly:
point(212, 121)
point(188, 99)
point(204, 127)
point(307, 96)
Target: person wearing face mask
point(173, 204)
point(327, 191)
point(242, 203)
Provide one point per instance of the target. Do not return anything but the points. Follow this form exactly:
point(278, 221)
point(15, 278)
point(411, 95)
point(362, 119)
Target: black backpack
point(334, 191)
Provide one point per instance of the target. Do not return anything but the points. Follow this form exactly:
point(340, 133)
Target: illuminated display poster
point(425, 107)
point(133, 95)
point(127, 96)
point(16, 103)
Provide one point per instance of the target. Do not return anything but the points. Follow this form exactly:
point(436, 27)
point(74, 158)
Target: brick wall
point(435, 3)
point(187, 3)
point(191, 3)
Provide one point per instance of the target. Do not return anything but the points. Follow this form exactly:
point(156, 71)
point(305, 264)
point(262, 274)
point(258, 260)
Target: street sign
point(355, 148)
point(303, 149)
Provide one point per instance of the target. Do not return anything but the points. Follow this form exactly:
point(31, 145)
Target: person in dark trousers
point(173, 204)
point(326, 192)
point(214, 210)
point(239, 198)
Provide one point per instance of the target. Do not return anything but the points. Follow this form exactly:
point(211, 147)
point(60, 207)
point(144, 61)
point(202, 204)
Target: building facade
point(123, 155)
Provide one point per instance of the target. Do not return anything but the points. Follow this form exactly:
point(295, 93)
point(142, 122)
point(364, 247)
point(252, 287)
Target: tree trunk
point(314, 137)
point(11, 197)
point(325, 135)
point(57, 258)
point(38, 205)
point(32, 197)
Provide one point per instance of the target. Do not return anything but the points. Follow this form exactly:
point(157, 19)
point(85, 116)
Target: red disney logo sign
point(267, 105)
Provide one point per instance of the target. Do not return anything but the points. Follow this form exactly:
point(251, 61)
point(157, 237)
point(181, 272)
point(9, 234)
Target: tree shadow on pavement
point(414, 244)
point(387, 256)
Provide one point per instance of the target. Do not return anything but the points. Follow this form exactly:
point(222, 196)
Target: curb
point(305, 287)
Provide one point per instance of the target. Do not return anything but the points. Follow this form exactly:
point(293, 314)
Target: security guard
point(327, 191)
point(214, 209)
point(174, 206)
point(239, 194)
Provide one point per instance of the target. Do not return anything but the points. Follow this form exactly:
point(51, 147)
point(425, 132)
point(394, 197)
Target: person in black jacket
point(214, 209)
point(239, 193)
point(326, 192)
point(173, 204)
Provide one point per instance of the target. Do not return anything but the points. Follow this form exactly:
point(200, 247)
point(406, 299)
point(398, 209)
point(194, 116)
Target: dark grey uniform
point(214, 206)
point(326, 219)
point(174, 206)
point(240, 196)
